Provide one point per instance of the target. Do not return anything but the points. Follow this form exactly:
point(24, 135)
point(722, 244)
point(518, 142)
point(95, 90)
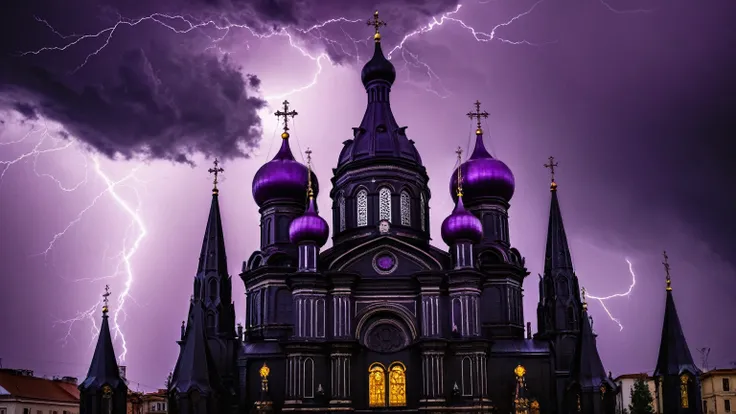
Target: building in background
point(155, 402)
point(135, 402)
point(625, 383)
point(23, 393)
point(718, 391)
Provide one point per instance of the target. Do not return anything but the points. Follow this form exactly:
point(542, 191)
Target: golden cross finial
point(585, 303)
point(376, 23)
point(286, 114)
point(310, 190)
point(216, 170)
point(552, 164)
point(459, 152)
point(478, 115)
point(105, 299)
point(666, 264)
point(520, 371)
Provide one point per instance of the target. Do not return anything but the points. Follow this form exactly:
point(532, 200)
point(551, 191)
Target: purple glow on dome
point(461, 225)
point(282, 178)
point(385, 262)
point(484, 176)
point(309, 227)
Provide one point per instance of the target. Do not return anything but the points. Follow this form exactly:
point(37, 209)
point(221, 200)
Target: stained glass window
point(362, 202)
point(384, 204)
point(376, 385)
point(341, 211)
point(422, 212)
point(405, 209)
point(685, 403)
point(397, 385)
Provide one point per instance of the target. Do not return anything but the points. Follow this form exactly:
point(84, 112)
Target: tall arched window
point(376, 385)
point(405, 209)
point(308, 378)
point(397, 385)
point(212, 289)
point(684, 399)
point(341, 211)
point(384, 204)
point(422, 212)
point(466, 368)
point(362, 207)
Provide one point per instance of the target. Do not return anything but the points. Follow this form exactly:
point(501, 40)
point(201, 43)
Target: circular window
point(385, 263)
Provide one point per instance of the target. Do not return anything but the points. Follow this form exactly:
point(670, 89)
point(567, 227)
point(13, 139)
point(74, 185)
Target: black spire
point(212, 257)
point(195, 369)
point(588, 369)
point(103, 390)
point(557, 255)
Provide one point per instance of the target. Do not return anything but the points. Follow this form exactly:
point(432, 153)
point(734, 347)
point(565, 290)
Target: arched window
point(362, 207)
point(397, 385)
point(466, 368)
point(308, 378)
point(376, 385)
point(212, 287)
point(684, 400)
point(210, 323)
point(405, 209)
point(422, 212)
point(341, 211)
point(384, 204)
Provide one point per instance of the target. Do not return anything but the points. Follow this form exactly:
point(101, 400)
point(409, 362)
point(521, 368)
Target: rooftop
point(22, 384)
point(717, 372)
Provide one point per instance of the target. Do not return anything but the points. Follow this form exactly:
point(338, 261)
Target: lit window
point(422, 212)
point(397, 385)
point(684, 400)
point(376, 385)
point(405, 209)
point(341, 211)
point(362, 202)
point(384, 204)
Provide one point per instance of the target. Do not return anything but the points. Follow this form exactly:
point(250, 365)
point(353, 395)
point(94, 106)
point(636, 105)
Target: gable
point(385, 255)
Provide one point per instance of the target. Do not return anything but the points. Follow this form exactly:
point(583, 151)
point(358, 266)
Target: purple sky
point(631, 97)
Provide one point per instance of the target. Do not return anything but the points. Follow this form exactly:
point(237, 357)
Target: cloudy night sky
point(112, 111)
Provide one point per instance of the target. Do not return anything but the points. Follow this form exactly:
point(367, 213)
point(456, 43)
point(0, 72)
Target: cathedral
point(383, 321)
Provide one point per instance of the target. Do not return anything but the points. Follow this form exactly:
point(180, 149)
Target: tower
point(211, 318)
point(488, 185)
point(103, 391)
point(590, 391)
point(676, 376)
point(559, 308)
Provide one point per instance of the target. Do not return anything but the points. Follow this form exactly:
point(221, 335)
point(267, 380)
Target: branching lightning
point(603, 299)
point(187, 25)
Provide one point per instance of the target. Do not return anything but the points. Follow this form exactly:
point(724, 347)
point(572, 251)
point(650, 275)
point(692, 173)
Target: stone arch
point(392, 312)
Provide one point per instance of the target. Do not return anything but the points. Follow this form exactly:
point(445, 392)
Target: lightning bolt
point(124, 265)
point(602, 299)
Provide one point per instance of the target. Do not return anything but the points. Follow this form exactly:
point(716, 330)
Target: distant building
point(23, 393)
point(625, 383)
point(718, 391)
point(134, 403)
point(155, 402)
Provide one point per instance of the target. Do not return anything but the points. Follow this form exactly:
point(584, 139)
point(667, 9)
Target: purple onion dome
point(483, 176)
point(378, 68)
point(309, 227)
point(282, 178)
point(461, 225)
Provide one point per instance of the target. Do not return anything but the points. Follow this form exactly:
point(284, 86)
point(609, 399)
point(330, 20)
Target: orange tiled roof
point(22, 386)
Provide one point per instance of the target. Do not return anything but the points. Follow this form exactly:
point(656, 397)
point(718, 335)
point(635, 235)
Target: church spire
point(103, 384)
point(212, 256)
point(557, 255)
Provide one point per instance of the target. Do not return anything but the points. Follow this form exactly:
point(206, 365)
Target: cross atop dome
point(478, 115)
point(459, 152)
point(286, 114)
point(377, 24)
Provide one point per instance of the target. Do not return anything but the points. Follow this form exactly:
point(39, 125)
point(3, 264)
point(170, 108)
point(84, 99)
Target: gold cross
point(666, 264)
point(552, 164)
point(459, 152)
point(478, 115)
point(286, 114)
point(376, 23)
point(310, 191)
point(216, 171)
point(105, 298)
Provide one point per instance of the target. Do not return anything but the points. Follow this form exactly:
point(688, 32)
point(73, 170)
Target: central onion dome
point(461, 225)
point(483, 175)
point(378, 68)
point(309, 227)
point(282, 178)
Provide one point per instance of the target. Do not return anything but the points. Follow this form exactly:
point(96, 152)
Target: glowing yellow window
point(376, 385)
point(683, 391)
point(397, 385)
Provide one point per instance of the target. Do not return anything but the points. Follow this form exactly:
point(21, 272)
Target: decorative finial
point(478, 115)
point(520, 371)
point(585, 303)
point(216, 171)
point(459, 152)
point(666, 264)
point(310, 190)
point(286, 114)
point(106, 300)
point(376, 23)
point(264, 371)
point(552, 164)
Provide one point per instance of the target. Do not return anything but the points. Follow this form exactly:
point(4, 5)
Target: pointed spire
point(212, 257)
point(588, 368)
point(557, 255)
point(195, 368)
point(104, 371)
point(674, 353)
